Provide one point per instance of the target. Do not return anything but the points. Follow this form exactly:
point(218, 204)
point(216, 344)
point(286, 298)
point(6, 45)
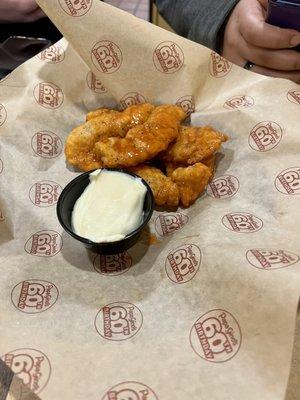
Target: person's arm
point(199, 20)
point(247, 37)
point(238, 31)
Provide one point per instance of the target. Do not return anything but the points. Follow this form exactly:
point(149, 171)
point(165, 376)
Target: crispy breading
point(210, 162)
point(191, 182)
point(193, 145)
point(99, 112)
point(143, 136)
point(170, 167)
point(142, 142)
point(133, 115)
point(165, 191)
point(80, 144)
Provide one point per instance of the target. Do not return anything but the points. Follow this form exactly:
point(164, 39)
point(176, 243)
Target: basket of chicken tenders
point(149, 215)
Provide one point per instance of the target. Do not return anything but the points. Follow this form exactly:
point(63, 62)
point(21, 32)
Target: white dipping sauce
point(110, 207)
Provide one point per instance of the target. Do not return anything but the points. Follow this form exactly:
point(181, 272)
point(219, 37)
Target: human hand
point(248, 37)
point(19, 11)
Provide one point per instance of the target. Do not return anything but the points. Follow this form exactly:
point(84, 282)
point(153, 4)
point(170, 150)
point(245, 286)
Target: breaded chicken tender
point(191, 182)
point(80, 144)
point(145, 136)
point(193, 145)
point(142, 142)
point(210, 162)
point(170, 167)
point(99, 112)
point(165, 191)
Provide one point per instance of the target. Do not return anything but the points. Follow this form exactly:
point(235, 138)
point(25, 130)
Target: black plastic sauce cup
point(66, 203)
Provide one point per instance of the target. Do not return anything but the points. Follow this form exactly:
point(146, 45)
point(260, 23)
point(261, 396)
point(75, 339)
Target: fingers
point(248, 37)
point(291, 75)
point(264, 3)
point(257, 32)
point(284, 60)
point(19, 11)
point(34, 16)
point(25, 6)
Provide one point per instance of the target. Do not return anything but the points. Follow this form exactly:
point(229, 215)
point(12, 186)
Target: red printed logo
point(242, 101)
point(112, 265)
point(242, 222)
point(94, 83)
point(48, 95)
point(53, 54)
point(2, 218)
point(271, 259)
point(294, 96)
point(187, 103)
point(44, 244)
point(34, 296)
point(288, 181)
point(216, 336)
point(168, 57)
point(132, 99)
point(168, 223)
point(31, 366)
point(45, 193)
point(219, 66)
point(1, 166)
point(76, 8)
point(3, 114)
point(265, 136)
point(118, 321)
point(130, 391)
point(223, 187)
point(183, 263)
point(46, 144)
point(107, 56)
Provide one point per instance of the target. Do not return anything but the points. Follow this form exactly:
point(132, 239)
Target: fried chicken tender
point(99, 112)
point(80, 144)
point(142, 142)
point(193, 145)
point(165, 191)
point(210, 162)
point(191, 182)
point(170, 167)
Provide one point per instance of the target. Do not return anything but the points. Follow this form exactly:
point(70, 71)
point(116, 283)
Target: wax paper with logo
point(204, 305)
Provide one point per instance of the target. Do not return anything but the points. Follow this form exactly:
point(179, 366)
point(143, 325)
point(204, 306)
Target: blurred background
point(140, 8)
point(20, 40)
